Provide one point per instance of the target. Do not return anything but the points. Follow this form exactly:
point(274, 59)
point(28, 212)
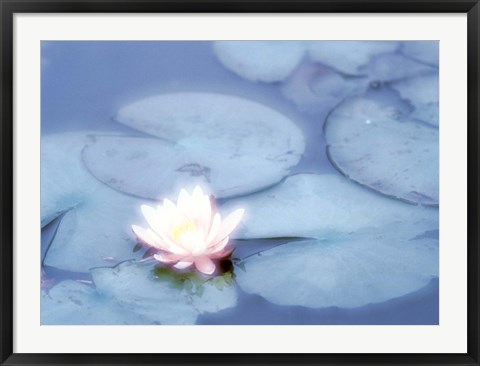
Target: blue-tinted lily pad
point(424, 51)
point(96, 232)
point(64, 180)
point(348, 272)
point(162, 295)
point(315, 88)
point(266, 61)
point(348, 56)
point(393, 66)
point(423, 93)
point(74, 303)
point(95, 228)
point(155, 168)
point(322, 206)
point(374, 145)
point(230, 125)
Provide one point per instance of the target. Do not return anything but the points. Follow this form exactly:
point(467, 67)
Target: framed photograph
point(239, 183)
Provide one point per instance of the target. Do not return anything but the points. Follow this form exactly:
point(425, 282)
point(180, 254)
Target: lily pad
point(64, 180)
point(95, 228)
point(348, 56)
point(425, 51)
point(266, 61)
point(96, 232)
point(230, 125)
point(393, 66)
point(162, 295)
point(74, 303)
point(423, 93)
point(321, 206)
point(155, 168)
point(316, 88)
point(349, 272)
point(374, 145)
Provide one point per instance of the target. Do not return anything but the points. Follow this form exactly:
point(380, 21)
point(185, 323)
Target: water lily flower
point(189, 232)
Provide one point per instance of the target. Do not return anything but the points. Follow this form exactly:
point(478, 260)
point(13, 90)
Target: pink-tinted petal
point(183, 265)
point(167, 257)
point(229, 224)
point(218, 246)
point(225, 252)
point(205, 265)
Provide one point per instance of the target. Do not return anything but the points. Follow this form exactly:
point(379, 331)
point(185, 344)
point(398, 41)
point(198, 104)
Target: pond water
point(330, 147)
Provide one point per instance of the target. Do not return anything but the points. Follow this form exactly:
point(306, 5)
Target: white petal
point(147, 236)
point(183, 199)
point(152, 218)
point(197, 192)
point(158, 222)
point(169, 206)
point(217, 219)
point(229, 224)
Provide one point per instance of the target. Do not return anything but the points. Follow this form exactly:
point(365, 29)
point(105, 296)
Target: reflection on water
point(381, 108)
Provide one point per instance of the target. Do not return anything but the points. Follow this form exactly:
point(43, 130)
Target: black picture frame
point(10, 7)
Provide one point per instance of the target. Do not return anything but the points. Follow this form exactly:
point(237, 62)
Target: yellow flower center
point(185, 227)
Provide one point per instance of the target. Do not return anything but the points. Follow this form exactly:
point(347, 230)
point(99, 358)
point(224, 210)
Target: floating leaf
point(64, 180)
point(422, 92)
point(96, 232)
point(372, 144)
point(425, 51)
point(95, 228)
point(393, 66)
point(323, 206)
point(348, 56)
point(229, 125)
point(155, 169)
point(266, 61)
point(316, 88)
point(162, 295)
point(73, 303)
point(348, 272)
